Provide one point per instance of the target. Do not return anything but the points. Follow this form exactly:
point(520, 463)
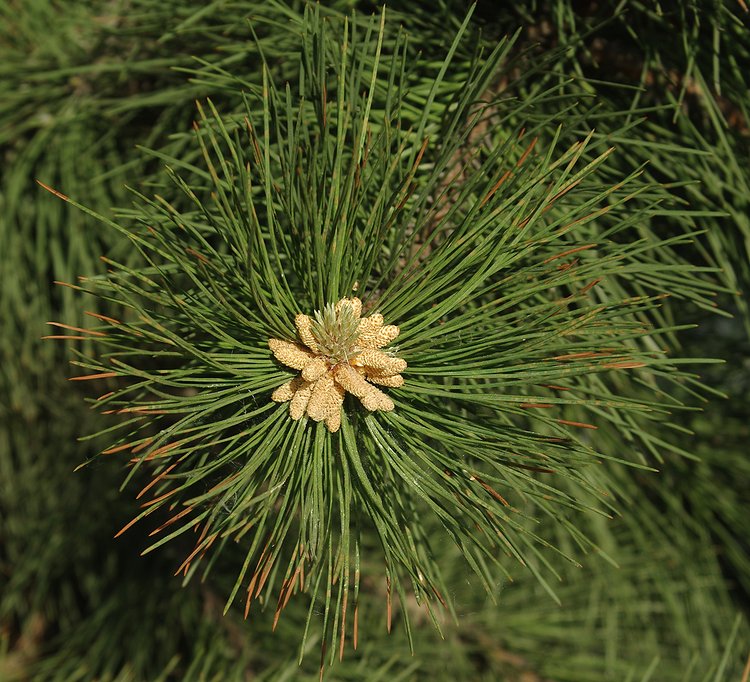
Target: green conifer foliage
point(389, 347)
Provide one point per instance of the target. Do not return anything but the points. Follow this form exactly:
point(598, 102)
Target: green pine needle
point(516, 268)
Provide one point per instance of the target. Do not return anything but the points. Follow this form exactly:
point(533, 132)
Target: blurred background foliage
point(83, 85)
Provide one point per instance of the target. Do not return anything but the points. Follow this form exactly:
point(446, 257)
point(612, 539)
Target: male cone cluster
point(339, 352)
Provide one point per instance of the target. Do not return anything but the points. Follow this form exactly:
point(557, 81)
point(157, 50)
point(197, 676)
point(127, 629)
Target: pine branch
point(328, 190)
